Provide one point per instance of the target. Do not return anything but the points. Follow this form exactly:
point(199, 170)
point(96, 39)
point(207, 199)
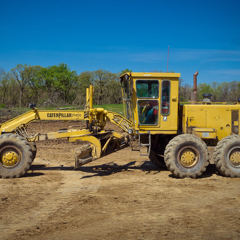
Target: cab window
point(165, 101)
point(127, 87)
point(148, 112)
point(126, 92)
point(147, 88)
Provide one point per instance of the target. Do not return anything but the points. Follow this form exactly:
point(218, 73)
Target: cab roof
point(152, 75)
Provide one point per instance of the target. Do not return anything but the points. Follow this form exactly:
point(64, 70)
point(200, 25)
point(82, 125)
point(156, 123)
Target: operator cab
point(151, 100)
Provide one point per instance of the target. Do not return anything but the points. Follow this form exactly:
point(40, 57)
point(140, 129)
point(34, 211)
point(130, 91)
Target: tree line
point(58, 85)
point(221, 92)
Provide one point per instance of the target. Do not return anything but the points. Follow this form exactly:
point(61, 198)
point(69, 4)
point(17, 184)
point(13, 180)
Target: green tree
point(101, 78)
point(215, 91)
point(8, 90)
point(114, 91)
point(234, 89)
point(224, 91)
point(85, 79)
point(204, 88)
point(124, 71)
point(35, 82)
point(185, 92)
point(22, 74)
point(57, 79)
point(3, 84)
point(5, 80)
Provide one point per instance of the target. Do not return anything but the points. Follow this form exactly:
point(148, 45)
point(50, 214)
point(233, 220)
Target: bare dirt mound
point(120, 196)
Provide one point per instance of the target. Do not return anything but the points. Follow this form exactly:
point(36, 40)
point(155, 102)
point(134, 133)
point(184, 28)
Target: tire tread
point(169, 156)
point(219, 153)
point(20, 169)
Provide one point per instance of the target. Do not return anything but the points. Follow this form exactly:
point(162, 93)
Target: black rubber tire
point(157, 160)
point(34, 149)
point(221, 156)
point(173, 152)
point(14, 142)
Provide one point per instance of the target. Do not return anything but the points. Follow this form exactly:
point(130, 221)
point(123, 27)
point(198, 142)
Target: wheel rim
point(234, 157)
point(188, 157)
point(10, 156)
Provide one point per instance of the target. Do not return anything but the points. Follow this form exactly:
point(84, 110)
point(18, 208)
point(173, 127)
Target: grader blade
point(83, 155)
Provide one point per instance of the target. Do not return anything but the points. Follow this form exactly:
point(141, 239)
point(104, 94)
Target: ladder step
point(144, 144)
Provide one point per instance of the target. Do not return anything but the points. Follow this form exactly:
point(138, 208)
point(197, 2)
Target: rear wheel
point(227, 156)
point(186, 155)
point(15, 156)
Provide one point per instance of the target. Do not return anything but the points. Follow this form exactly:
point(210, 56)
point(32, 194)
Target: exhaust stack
point(193, 99)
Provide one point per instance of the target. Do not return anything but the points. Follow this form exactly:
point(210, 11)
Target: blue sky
point(115, 35)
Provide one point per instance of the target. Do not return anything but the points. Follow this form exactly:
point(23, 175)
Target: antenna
point(167, 58)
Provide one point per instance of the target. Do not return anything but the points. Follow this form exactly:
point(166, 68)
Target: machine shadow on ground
point(112, 168)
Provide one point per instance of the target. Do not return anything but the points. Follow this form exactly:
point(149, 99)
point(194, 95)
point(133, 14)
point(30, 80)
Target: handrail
point(119, 120)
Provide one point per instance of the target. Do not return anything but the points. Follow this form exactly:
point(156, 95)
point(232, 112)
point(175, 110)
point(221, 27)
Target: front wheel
point(227, 156)
point(15, 156)
point(186, 155)
point(34, 149)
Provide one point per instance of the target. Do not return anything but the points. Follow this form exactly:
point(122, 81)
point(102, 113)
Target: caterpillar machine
point(173, 135)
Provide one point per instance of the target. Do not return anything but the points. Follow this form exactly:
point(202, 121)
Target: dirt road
point(120, 196)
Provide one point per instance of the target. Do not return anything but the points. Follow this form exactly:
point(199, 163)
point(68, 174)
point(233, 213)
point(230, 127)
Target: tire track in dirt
point(70, 186)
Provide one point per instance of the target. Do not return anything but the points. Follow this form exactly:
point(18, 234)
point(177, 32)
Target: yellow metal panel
point(205, 133)
point(61, 115)
point(92, 140)
point(159, 132)
point(193, 117)
point(214, 116)
point(219, 117)
point(152, 75)
point(55, 135)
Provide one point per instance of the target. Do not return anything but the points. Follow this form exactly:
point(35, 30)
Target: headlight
point(130, 131)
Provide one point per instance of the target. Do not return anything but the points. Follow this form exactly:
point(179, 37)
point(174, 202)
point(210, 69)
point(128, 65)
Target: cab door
point(147, 92)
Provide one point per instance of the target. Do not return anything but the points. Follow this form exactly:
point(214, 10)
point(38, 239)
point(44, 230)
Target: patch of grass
point(118, 108)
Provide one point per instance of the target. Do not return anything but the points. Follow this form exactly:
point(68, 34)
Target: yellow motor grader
point(174, 135)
